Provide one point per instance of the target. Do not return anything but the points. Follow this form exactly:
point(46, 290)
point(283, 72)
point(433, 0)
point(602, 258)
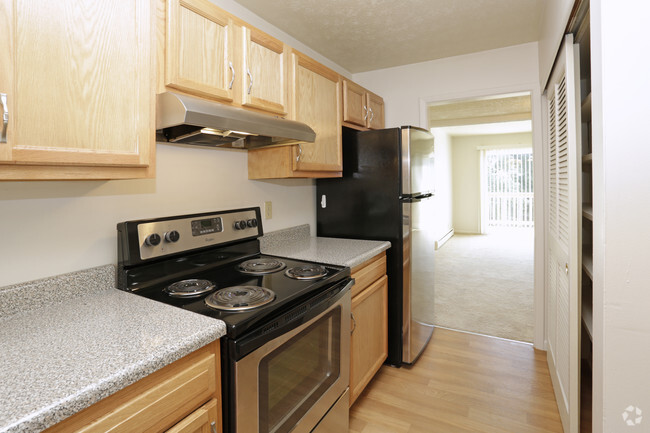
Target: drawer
point(368, 272)
point(155, 403)
point(203, 420)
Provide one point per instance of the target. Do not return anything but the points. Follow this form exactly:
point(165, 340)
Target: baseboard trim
point(440, 242)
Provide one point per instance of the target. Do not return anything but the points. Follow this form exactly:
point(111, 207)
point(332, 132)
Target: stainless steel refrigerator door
point(417, 161)
point(418, 247)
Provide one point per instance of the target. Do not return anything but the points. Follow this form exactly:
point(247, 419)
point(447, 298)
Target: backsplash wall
point(50, 228)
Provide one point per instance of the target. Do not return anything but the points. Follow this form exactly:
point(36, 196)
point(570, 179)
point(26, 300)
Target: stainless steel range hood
point(190, 120)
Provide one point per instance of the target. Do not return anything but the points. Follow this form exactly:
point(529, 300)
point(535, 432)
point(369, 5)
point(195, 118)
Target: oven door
point(290, 383)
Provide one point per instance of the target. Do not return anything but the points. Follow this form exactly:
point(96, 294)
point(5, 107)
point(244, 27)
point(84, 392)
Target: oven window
point(295, 375)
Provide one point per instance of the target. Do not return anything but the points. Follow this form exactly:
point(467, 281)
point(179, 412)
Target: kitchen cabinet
point(316, 101)
point(184, 396)
point(213, 54)
point(362, 109)
point(199, 49)
point(79, 90)
point(369, 339)
point(265, 62)
point(199, 421)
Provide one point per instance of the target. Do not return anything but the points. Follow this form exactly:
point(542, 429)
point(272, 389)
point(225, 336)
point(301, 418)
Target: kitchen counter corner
point(296, 243)
point(63, 357)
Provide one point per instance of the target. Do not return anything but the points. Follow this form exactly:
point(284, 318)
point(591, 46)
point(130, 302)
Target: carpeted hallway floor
point(483, 284)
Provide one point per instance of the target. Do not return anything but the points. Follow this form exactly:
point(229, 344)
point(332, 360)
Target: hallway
point(484, 284)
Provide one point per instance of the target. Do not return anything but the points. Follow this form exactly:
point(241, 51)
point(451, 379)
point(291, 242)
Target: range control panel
point(178, 234)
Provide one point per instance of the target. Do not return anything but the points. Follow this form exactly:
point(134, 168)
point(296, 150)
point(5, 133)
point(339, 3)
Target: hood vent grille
point(189, 120)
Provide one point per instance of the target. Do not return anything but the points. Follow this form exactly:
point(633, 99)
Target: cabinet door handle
point(354, 322)
point(372, 114)
point(5, 117)
point(299, 153)
point(250, 76)
point(365, 116)
point(566, 268)
point(213, 425)
point(232, 80)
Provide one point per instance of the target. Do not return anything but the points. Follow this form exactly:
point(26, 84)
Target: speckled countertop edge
point(297, 243)
point(62, 357)
point(19, 298)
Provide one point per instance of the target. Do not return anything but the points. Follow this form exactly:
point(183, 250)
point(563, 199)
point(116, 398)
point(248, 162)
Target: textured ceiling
point(364, 35)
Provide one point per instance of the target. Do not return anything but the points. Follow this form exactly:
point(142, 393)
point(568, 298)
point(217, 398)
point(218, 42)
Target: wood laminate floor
point(462, 383)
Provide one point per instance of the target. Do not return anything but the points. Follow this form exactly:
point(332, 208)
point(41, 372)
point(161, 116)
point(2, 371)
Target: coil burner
point(261, 266)
point(189, 288)
point(238, 298)
point(306, 272)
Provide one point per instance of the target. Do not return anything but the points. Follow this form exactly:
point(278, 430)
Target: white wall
point(554, 21)
point(405, 89)
point(49, 228)
point(466, 174)
point(621, 158)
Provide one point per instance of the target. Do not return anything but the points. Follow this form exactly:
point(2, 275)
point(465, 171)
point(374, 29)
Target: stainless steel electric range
point(285, 356)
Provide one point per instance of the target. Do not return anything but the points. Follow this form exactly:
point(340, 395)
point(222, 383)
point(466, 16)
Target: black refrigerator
point(386, 193)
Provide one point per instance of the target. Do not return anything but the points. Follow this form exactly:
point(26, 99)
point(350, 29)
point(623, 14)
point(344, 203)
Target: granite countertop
point(85, 341)
point(297, 243)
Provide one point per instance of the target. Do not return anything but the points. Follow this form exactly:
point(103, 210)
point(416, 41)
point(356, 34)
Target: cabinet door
point(265, 66)
point(369, 340)
point(317, 102)
point(201, 420)
point(563, 265)
point(375, 106)
point(199, 49)
point(354, 104)
point(78, 79)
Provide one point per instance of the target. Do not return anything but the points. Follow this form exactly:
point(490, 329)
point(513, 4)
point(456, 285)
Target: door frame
point(539, 155)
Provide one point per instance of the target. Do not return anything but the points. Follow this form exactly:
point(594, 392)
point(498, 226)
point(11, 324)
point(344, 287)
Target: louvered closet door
point(562, 261)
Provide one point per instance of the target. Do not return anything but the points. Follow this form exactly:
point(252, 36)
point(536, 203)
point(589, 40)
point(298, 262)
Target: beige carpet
point(483, 284)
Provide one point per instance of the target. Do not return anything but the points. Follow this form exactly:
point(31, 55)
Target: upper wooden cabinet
point(376, 109)
point(78, 80)
point(199, 49)
point(212, 54)
point(265, 61)
point(316, 101)
point(361, 109)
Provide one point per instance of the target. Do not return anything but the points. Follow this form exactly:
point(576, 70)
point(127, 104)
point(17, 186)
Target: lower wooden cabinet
point(369, 339)
point(183, 397)
point(203, 420)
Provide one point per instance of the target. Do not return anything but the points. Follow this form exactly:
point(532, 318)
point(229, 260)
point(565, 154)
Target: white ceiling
point(365, 35)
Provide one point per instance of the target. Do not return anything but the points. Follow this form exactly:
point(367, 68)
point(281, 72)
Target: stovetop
point(223, 271)
point(155, 253)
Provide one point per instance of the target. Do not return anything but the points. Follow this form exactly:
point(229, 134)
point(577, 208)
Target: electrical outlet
point(268, 210)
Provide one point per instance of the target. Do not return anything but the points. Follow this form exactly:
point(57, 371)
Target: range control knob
point(172, 236)
point(251, 223)
point(240, 225)
point(152, 240)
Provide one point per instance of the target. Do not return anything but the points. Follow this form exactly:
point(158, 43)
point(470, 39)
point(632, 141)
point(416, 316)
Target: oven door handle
point(292, 319)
